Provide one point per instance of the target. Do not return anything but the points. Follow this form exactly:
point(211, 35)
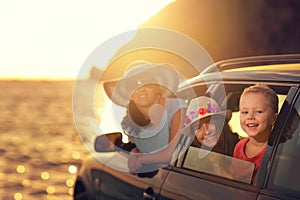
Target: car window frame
point(269, 159)
point(270, 152)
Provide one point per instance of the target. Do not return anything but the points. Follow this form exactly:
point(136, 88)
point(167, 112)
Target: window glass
point(218, 164)
point(285, 174)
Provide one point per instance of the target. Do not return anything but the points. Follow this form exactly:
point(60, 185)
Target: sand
point(40, 149)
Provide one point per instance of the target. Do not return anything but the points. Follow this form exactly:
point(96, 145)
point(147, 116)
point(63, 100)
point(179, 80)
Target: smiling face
point(206, 132)
point(146, 95)
point(256, 115)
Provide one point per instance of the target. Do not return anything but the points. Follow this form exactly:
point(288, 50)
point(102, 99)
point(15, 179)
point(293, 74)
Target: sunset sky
point(52, 39)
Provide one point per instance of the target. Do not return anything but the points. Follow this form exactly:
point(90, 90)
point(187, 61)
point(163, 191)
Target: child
point(258, 112)
point(209, 124)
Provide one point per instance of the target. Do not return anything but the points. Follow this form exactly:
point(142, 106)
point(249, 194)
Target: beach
point(40, 150)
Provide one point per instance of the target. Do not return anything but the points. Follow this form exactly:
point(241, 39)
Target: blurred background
point(44, 44)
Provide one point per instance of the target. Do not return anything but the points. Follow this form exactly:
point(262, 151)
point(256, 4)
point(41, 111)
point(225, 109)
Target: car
point(278, 176)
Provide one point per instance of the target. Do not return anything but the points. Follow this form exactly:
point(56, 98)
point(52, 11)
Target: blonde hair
point(269, 93)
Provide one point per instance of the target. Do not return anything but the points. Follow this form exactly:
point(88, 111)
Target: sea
point(40, 149)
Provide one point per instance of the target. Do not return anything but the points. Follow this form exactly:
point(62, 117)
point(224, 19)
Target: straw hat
point(138, 74)
point(200, 108)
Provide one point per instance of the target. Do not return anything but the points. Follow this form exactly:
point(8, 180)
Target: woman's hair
point(267, 92)
point(136, 115)
point(134, 119)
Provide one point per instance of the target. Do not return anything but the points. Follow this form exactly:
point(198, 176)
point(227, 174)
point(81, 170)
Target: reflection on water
point(40, 151)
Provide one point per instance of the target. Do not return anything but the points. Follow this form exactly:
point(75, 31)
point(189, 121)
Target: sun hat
point(200, 108)
point(140, 73)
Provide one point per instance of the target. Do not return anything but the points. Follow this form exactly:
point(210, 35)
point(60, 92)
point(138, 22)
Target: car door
point(192, 178)
point(284, 175)
point(112, 183)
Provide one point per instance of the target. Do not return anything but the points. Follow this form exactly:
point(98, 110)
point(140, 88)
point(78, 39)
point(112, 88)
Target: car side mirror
point(108, 142)
point(111, 142)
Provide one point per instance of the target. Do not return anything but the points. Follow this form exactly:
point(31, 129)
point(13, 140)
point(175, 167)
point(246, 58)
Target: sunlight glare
point(50, 190)
point(20, 169)
point(18, 196)
point(110, 117)
point(45, 176)
point(55, 44)
point(72, 169)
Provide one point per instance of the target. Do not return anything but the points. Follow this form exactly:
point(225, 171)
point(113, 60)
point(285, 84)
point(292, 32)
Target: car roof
point(283, 68)
point(266, 62)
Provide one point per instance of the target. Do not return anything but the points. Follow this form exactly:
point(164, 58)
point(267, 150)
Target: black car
point(278, 176)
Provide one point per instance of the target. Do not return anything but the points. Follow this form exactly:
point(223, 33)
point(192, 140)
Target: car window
point(285, 173)
point(218, 164)
point(214, 163)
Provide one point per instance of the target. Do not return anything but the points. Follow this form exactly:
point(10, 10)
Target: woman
point(152, 118)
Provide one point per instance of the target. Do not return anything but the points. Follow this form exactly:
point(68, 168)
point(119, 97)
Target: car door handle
point(149, 194)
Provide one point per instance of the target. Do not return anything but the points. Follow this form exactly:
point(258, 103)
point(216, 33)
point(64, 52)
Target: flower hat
point(200, 108)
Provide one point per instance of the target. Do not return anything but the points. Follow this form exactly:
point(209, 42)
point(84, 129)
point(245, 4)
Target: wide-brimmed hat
point(140, 73)
point(200, 108)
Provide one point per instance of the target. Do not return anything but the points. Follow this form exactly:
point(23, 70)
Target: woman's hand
point(134, 162)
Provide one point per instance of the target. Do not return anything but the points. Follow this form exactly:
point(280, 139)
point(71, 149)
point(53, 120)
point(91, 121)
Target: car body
point(278, 176)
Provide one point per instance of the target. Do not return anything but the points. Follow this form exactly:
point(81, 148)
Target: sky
point(51, 39)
